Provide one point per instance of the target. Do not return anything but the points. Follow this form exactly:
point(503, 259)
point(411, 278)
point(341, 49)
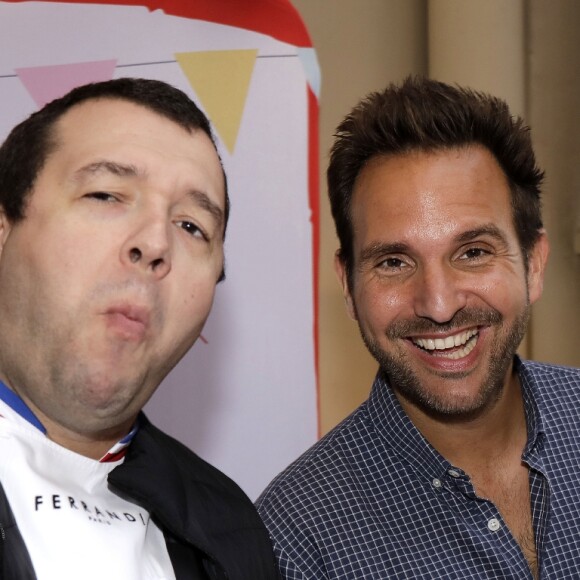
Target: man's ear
point(5, 227)
point(340, 269)
point(537, 259)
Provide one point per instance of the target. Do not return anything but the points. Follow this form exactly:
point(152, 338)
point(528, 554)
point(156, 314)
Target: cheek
point(505, 294)
point(75, 273)
point(24, 270)
point(63, 255)
point(192, 298)
point(378, 306)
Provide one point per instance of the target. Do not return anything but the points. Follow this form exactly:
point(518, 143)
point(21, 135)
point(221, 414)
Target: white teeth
point(449, 342)
point(459, 353)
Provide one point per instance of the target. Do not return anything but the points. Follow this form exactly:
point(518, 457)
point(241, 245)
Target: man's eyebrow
point(105, 166)
point(378, 249)
point(203, 201)
point(490, 230)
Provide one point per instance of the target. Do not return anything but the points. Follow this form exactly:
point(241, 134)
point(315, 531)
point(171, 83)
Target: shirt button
point(493, 525)
point(454, 473)
point(437, 483)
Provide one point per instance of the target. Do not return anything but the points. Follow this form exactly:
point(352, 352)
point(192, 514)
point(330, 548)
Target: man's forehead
point(424, 192)
point(469, 163)
point(102, 108)
point(115, 121)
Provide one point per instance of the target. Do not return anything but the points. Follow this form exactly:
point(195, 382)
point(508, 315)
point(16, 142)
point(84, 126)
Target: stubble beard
point(407, 384)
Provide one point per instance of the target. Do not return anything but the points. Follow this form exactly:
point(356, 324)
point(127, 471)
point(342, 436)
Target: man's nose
point(148, 247)
point(438, 292)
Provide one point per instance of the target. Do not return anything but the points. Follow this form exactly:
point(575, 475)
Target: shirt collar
point(400, 434)
point(534, 418)
point(19, 406)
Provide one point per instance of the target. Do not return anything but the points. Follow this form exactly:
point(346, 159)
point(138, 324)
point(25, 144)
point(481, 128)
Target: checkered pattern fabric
point(374, 500)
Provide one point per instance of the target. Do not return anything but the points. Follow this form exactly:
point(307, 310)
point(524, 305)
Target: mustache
point(461, 319)
point(133, 288)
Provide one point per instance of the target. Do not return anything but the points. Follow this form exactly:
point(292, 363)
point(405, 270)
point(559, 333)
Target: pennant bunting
point(46, 83)
point(311, 68)
point(221, 79)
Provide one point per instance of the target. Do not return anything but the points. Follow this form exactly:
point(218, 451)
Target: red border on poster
point(314, 202)
point(276, 18)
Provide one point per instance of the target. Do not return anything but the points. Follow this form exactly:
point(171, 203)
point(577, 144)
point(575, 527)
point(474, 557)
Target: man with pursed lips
point(113, 210)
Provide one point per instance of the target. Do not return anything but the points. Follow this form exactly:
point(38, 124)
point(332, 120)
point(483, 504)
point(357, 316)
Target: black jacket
point(211, 528)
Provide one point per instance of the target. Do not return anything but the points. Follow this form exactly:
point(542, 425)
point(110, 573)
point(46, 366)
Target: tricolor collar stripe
point(17, 404)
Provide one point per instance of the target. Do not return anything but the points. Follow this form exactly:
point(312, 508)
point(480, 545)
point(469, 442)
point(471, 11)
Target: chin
point(103, 396)
point(448, 403)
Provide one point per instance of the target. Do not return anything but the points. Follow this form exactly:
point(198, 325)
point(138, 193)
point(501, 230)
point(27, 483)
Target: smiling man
point(465, 460)
point(113, 208)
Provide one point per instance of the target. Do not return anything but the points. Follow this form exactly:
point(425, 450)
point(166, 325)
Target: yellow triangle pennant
point(221, 79)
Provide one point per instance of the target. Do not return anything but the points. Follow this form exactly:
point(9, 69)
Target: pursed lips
point(130, 321)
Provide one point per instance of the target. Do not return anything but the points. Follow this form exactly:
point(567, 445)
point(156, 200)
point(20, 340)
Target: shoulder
point(183, 462)
point(541, 368)
point(298, 507)
point(556, 392)
point(195, 501)
point(324, 464)
point(319, 511)
point(550, 376)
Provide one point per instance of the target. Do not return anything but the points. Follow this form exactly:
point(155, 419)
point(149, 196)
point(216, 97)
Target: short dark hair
point(426, 115)
point(27, 147)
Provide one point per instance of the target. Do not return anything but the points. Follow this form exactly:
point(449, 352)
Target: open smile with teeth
point(452, 347)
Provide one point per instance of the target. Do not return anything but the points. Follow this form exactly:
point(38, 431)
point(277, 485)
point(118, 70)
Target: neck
point(92, 444)
point(475, 441)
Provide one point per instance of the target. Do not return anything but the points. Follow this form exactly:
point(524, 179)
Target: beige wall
point(553, 104)
point(526, 51)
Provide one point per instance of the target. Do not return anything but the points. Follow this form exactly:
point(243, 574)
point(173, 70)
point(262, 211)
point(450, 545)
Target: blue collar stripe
point(18, 405)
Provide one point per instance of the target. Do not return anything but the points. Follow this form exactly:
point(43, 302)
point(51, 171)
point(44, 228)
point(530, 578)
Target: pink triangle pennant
point(45, 83)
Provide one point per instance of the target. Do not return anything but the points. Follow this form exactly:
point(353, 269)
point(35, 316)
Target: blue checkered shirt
point(374, 500)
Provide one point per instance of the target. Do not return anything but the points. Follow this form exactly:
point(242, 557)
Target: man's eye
point(392, 264)
point(102, 196)
point(192, 229)
point(474, 254)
